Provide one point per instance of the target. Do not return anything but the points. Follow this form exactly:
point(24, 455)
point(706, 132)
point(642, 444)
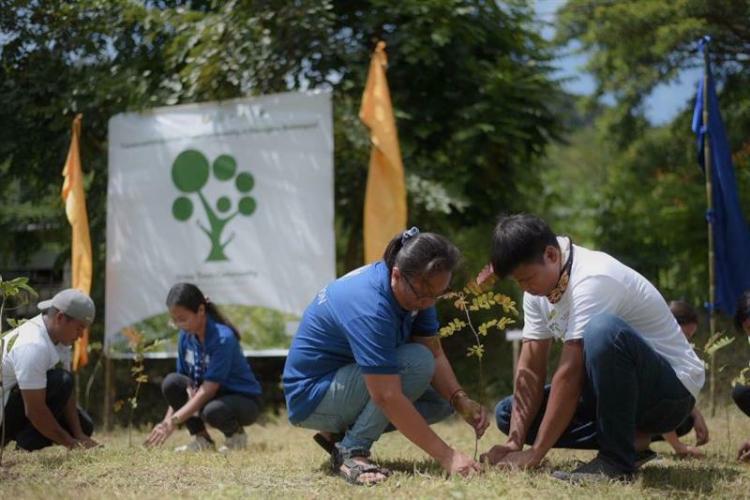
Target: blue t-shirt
point(355, 319)
point(219, 360)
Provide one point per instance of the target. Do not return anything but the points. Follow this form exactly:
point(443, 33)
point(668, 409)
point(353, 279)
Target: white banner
point(235, 197)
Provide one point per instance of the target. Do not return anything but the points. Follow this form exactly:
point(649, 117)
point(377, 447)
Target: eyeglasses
point(422, 298)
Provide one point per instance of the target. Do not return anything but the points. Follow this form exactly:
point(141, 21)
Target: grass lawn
point(283, 461)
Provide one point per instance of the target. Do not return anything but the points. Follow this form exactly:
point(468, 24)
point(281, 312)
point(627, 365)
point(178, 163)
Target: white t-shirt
point(28, 354)
point(601, 284)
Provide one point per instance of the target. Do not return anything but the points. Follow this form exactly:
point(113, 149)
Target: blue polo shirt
point(355, 319)
point(218, 360)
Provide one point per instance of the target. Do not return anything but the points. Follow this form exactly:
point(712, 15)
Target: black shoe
point(644, 456)
point(597, 470)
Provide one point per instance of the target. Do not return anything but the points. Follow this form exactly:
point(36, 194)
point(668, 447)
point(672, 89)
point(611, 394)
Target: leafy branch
point(716, 343)
point(17, 288)
point(139, 347)
point(475, 298)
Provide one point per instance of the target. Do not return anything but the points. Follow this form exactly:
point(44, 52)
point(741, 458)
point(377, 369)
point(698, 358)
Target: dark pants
point(741, 396)
point(228, 412)
point(18, 428)
point(628, 387)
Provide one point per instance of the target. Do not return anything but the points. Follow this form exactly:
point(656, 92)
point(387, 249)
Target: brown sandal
point(356, 469)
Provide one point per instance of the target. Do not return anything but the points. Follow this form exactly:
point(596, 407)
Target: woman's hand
point(743, 454)
point(458, 463)
point(159, 434)
point(475, 414)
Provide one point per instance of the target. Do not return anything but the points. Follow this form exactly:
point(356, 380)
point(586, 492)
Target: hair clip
point(409, 233)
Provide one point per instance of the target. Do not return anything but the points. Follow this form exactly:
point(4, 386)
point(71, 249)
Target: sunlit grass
point(284, 462)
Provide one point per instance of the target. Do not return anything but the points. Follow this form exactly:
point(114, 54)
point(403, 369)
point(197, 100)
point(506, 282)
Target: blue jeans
point(347, 407)
point(628, 387)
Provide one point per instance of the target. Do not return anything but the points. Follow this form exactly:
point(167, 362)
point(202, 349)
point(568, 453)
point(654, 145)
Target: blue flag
point(730, 230)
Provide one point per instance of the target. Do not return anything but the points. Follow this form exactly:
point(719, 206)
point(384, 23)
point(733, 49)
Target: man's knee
point(503, 411)
point(59, 387)
point(601, 334)
point(416, 360)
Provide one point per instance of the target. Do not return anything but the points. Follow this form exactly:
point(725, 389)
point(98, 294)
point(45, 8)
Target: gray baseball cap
point(72, 302)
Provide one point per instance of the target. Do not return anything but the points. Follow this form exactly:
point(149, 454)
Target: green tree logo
point(190, 174)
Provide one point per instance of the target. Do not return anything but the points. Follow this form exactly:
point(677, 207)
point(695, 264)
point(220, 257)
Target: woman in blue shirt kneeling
point(367, 355)
point(213, 378)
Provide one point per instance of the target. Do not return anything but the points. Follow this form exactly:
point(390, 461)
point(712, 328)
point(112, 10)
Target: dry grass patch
point(284, 462)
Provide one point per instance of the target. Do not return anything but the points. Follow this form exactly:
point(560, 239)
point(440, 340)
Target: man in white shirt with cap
point(39, 407)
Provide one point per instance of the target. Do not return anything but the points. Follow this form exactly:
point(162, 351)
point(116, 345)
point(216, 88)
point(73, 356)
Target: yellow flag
point(385, 198)
point(75, 209)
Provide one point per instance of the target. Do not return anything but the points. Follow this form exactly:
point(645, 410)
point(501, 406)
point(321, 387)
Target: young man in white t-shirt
point(40, 405)
point(626, 371)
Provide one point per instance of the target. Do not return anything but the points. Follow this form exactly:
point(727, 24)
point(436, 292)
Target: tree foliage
point(646, 195)
point(637, 45)
point(470, 82)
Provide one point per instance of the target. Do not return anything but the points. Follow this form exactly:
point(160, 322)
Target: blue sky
point(664, 103)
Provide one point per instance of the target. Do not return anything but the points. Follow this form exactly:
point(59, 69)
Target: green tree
point(475, 108)
point(650, 200)
point(470, 79)
point(635, 45)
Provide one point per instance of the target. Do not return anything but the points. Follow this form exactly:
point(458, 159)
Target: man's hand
point(743, 454)
point(473, 413)
point(159, 434)
point(526, 459)
point(498, 452)
point(701, 429)
point(86, 442)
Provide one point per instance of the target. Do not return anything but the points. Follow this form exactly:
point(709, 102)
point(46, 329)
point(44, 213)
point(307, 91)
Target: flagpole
point(709, 218)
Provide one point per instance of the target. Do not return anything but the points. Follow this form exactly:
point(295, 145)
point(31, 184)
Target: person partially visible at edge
point(741, 393)
point(366, 359)
point(626, 371)
point(688, 320)
point(214, 382)
point(40, 406)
